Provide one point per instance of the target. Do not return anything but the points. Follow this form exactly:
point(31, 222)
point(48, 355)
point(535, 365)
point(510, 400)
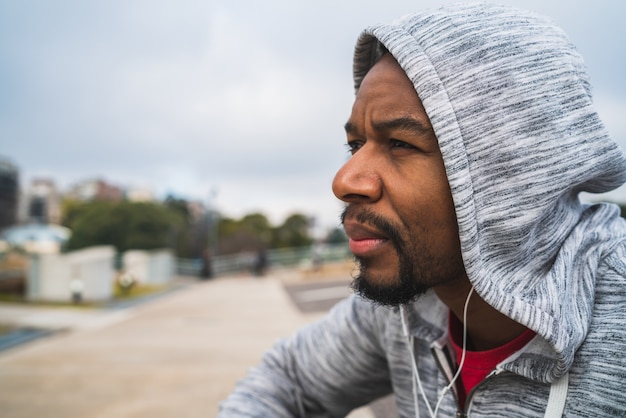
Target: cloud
point(249, 97)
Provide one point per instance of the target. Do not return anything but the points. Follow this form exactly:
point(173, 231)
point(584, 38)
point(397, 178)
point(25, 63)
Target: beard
point(418, 268)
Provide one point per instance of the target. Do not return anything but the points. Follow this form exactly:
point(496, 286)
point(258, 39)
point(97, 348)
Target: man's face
point(399, 216)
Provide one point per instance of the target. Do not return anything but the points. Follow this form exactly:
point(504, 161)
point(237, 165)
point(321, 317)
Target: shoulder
point(610, 289)
point(609, 308)
point(599, 369)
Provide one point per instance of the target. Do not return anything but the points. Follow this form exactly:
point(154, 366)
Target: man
point(487, 288)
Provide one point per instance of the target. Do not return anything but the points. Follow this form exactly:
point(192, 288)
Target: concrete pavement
point(175, 356)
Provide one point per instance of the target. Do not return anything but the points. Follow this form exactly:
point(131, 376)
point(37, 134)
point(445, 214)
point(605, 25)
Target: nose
point(357, 182)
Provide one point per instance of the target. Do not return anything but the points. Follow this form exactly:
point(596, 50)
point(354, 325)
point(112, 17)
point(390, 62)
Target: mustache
point(366, 216)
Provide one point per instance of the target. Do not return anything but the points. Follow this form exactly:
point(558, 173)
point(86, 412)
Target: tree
point(250, 233)
point(336, 236)
point(258, 224)
point(192, 235)
point(178, 205)
point(124, 225)
point(294, 232)
point(148, 225)
point(254, 232)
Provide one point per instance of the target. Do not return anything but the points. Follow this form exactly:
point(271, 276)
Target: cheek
point(421, 194)
point(431, 211)
point(447, 229)
point(430, 195)
point(441, 198)
point(445, 215)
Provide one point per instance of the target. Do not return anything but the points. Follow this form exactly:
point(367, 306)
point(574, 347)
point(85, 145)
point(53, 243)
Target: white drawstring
point(405, 330)
point(458, 372)
point(416, 375)
point(556, 400)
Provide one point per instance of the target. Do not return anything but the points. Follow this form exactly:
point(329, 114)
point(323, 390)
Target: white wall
point(150, 267)
point(50, 275)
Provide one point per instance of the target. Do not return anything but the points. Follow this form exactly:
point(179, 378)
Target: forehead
point(387, 91)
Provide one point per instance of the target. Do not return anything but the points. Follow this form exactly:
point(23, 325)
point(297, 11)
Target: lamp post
point(213, 222)
point(211, 245)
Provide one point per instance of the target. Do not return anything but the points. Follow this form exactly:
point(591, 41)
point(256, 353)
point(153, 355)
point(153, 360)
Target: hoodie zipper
point(468, 398)
point(444, 363)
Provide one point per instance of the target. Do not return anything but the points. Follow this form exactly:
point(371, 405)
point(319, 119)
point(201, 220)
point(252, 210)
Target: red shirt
point(478, 364)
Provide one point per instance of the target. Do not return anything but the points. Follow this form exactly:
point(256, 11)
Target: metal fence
point(276, 258)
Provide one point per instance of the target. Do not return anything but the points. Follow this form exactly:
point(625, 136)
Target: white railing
point(276, 258)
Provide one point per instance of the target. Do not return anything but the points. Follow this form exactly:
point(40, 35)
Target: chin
point(378, 272)
point(379, 279)
point(387, 289)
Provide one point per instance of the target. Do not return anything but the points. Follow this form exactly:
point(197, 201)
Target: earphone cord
point(458, 372)
point(417, 379)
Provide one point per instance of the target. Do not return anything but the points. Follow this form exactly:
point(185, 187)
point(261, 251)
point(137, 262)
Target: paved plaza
point(177, 355)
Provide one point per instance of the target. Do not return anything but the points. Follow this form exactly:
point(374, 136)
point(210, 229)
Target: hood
point(510, 102)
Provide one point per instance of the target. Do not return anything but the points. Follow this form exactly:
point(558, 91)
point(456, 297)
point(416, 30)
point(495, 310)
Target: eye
point(354, 146)
point(401, 144)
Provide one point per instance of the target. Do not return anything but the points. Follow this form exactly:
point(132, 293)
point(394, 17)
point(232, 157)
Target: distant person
point(486, 287)
point(316, 257)
point(260, 262)
point(206, 271)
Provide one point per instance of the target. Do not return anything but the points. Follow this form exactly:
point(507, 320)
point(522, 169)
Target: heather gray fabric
point(510, 102)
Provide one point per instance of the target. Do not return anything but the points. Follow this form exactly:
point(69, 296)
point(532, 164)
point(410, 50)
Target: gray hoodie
point(510, 102)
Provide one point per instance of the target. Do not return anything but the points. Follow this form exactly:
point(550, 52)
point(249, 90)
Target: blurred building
point(137, 194)
point(95, 189)
point(9, 193)
point(36, 238)
point(41, 202)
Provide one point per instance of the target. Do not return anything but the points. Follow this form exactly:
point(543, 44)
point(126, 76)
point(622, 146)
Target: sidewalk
point(175, 356)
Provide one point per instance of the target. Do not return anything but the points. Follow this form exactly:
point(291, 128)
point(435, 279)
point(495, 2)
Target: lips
point(364, 241)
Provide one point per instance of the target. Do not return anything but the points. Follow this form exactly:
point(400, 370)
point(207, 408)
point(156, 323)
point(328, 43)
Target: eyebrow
point(405, 123)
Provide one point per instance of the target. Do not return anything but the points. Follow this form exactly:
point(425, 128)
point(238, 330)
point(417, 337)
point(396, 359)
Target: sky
point(236, 103)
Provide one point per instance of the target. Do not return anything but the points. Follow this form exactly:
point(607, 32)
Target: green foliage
point(124, 225)
point(336, 236)
point(71, 209)
point(227, 226)
point(254, 231)
point(148, 225)
point(294, 232)
point(180, 206)
point(257, 224)
point(250, 233)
